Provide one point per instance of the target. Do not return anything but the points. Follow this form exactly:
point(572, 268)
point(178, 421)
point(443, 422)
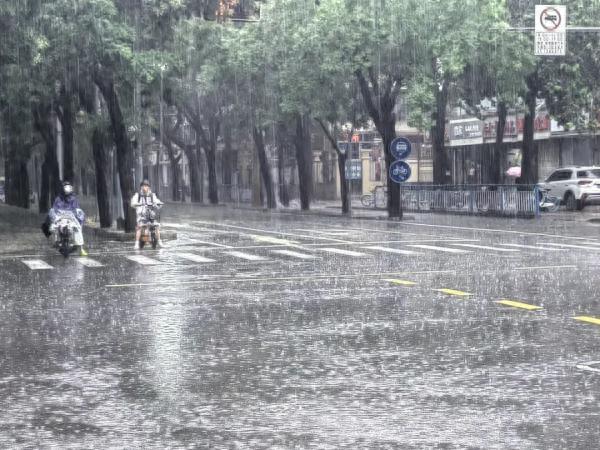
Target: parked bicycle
point(376, 198)
point(548, 203)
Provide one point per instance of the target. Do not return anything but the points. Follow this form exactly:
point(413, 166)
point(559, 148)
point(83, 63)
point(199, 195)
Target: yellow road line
point(514, 304)
point(453, 292)
point(400, 282)
point(594, 320)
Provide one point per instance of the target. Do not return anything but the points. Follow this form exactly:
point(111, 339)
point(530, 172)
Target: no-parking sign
point(550, 30)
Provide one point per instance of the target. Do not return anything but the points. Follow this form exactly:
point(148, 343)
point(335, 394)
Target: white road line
point(392, 250)
point(37, 264)
point(194, 258)
point(280, 233)
point(440, 249)
point(293, 254)
point(493, 230)
point(88, 262)
point(327, 233)
point(339, 251)
point(246, 256)
point(544, 267)
point(272, 240)
point(143, 260)
point(486, 247)
point(573, 246)
point(530, 247)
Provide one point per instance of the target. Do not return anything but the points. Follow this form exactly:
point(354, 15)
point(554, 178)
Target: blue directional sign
point(353, 169)
point(400, 148)
point(399, 172)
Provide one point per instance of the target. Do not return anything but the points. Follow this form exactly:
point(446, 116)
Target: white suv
point(575, 186)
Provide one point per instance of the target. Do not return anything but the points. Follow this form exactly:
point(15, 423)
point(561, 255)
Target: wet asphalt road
point(256, 331)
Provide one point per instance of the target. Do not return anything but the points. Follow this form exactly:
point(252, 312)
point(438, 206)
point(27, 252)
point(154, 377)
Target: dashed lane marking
point(454, 292)
point(143, 260)
point(195, 258)
point(592, 366)
point(293, 254)
point(272, 240)
point(246, 256)
point(392, 250)
point(339, 251)
point(88, 262)
point(37, 264)
point(515, 304)
point(573, 246)
point(531, 247)
point(400, 282)
point(440, 249)
point(587, 319)
point(486, 247)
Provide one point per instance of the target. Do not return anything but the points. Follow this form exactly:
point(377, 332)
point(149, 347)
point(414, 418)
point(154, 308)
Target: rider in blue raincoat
point(67, 201)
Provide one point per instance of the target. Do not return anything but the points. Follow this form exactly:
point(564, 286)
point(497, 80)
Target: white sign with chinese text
point(550, 30)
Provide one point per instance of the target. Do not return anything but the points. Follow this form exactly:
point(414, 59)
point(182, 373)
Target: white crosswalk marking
point(37, 264)
point(246, 256)
point(143, 260)
point(573, 246)
point(486, 247)
point(342, 252)
point(440, 249)
point(392, 250)
point(88, 262)
point(194, 258)
point(530, 247)
point(293, 254)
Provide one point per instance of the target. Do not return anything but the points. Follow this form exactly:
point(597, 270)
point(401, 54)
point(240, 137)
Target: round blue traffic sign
point(400, 148)
point(399, 171)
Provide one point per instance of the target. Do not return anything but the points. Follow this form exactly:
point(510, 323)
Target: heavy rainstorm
point(289, 224)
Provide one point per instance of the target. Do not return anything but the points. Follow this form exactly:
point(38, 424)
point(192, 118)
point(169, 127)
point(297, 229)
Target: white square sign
point(550, 30)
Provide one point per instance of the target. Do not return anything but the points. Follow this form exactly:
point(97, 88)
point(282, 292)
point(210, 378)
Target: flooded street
point(296, 332)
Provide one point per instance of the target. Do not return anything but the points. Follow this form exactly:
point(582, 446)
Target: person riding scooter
point(145, 197)
point(66, 201)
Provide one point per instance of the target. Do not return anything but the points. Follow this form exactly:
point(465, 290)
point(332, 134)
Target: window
point(588, 173)
point(560, 175)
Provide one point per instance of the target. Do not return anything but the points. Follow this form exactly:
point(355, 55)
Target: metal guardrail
point(493, 200)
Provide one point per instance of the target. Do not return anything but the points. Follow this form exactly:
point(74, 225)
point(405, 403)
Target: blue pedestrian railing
point(494, 200)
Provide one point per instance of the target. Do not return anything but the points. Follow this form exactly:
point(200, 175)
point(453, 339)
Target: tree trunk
point(174, 163)
point(495, 173)
point(284, 195)
point(211, 164)
point(380, 105)
point(529, 156)
point(17, 182)
point(304, 158)
point(342, 157)
point(265, 169)
point(65, 115)
point(125, 156)
point(44, 124)
point(438, 135)
point(196, 193)
point(101, 165)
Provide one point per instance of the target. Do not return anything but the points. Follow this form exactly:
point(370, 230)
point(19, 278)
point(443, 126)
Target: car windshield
point(594, 173)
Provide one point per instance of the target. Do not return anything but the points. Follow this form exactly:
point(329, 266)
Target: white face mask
point(68, 189)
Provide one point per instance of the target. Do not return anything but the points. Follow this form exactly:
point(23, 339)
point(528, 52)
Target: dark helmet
point(67, 188)
point(145, 183)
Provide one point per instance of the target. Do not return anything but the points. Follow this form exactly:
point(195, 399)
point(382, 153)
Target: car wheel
point(571, 203)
